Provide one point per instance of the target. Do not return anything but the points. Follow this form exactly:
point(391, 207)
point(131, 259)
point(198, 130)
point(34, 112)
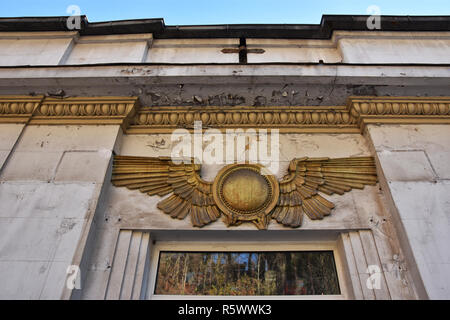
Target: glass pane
point(247, 273)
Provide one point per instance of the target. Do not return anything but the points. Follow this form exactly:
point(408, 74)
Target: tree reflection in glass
point(247, 273)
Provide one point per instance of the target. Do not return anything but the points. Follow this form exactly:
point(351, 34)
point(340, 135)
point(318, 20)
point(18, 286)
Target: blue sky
point(185, 12)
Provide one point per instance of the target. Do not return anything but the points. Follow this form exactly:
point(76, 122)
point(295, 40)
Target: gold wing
point(161, 176)
point(307, 176)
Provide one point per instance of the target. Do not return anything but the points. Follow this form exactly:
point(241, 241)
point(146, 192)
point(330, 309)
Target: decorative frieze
point(399, 110)
point(287, 119)
point(18, 109)
point(53, 111)
point(134, 119)
point(97, 110)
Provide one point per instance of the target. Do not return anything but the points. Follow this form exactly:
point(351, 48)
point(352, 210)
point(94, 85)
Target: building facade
point(90, 120)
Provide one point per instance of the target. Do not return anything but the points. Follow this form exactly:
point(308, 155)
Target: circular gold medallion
point(243, 193)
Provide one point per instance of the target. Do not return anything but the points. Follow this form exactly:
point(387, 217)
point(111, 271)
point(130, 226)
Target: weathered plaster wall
point(293, 50)
point(414, 162)
point(9, 133)
point(357, 47)
point(34, 48)
point(192, 51)
point(109, 49)
point(397, 50)
point(356, 210)
point(234, 92)
point(65, 48)
point(49, 189)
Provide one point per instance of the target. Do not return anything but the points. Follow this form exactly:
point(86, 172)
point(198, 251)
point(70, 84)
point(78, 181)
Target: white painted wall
point(396, 49)
point(192, 51)
point(9, 133)
point(110, 49)
point(84, 53)
point(33, 48)
point(52, 48)
point(293, 50)
point(415, 162)
point(49, 189)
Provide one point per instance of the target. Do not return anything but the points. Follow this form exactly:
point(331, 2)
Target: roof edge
point(324, 30)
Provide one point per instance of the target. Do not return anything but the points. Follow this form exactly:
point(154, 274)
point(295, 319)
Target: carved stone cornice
point(18, 109)
point(134, 119)
point(290, 119)
point(97, 110)
point(399, 110)
point(64, 111)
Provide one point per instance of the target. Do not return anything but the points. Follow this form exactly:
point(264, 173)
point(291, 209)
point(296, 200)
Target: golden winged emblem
point(244, 192)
